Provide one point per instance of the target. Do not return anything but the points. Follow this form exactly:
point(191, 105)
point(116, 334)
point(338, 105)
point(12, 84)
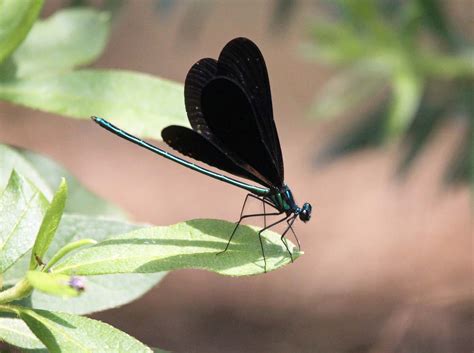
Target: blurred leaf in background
point(16, 19)
point(283, 11)
point(46, 175)
point(42, 74)
point(411, 60)
point(68, 38)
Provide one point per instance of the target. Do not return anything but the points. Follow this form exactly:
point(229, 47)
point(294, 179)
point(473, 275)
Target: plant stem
point(9, 309)
point(66, 250)
point(18, 291)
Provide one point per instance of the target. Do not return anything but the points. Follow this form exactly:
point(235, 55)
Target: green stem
point(9, 309)
point(20, 290)
point(66, 250)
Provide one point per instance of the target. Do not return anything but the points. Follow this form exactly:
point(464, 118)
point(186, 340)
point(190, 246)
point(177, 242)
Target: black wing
point(242, 61)
point(194, 145)
point(231, 118)
point(229, 104)
point(200, 74)
point(199, 77)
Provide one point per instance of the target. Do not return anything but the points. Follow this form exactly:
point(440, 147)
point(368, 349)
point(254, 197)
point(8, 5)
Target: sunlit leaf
point(102, 292)
point(139, 103)
point(22, 207)
point(191, 244)
point(68, 333)
point(49, 225)
point(16, 333)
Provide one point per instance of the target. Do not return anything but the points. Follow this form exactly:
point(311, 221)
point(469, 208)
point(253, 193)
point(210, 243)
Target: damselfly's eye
point(305, 214)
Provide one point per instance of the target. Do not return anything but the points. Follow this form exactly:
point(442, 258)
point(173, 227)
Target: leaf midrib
point(152, 258)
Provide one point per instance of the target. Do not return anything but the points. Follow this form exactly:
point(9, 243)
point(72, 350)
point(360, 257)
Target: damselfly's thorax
point(284, 201)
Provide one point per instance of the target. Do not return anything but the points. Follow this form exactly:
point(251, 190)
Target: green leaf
point(448, 67)
point(11, 159)
point(63, 333)
point(52, 283)
point(46, 175)
point(336, 43)
point(80, 199)
point(22, 207)
point(7, 69)
point(16, 19)
point(16, 333)
point(191, 244)
point(49, 225)
point(345, 91)
point(70, 37)
point(103, 292)
point(139, 103)
point(407, 93)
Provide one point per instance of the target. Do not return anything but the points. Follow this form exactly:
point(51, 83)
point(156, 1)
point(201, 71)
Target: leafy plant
point(409, 57)
point(60, 242)
point(35, 258)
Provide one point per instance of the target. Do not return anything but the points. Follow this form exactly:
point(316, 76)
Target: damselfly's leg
point(290, 226)
point(256, 198)
point(245, 202)
point(248, 216)
point(261, 242)
point(264, 215)
point(283, 239)
point(240, 220)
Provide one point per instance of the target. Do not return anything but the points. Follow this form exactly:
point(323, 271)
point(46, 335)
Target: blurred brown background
point(387, 264)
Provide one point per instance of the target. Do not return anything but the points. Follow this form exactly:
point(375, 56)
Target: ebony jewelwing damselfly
point(229, 106)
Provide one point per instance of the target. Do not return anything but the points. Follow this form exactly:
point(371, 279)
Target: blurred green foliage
point(410, 59)
point(43, 72)
point(196, 13)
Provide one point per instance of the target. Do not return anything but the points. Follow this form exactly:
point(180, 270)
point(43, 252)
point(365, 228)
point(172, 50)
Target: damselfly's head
point(305, 213)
